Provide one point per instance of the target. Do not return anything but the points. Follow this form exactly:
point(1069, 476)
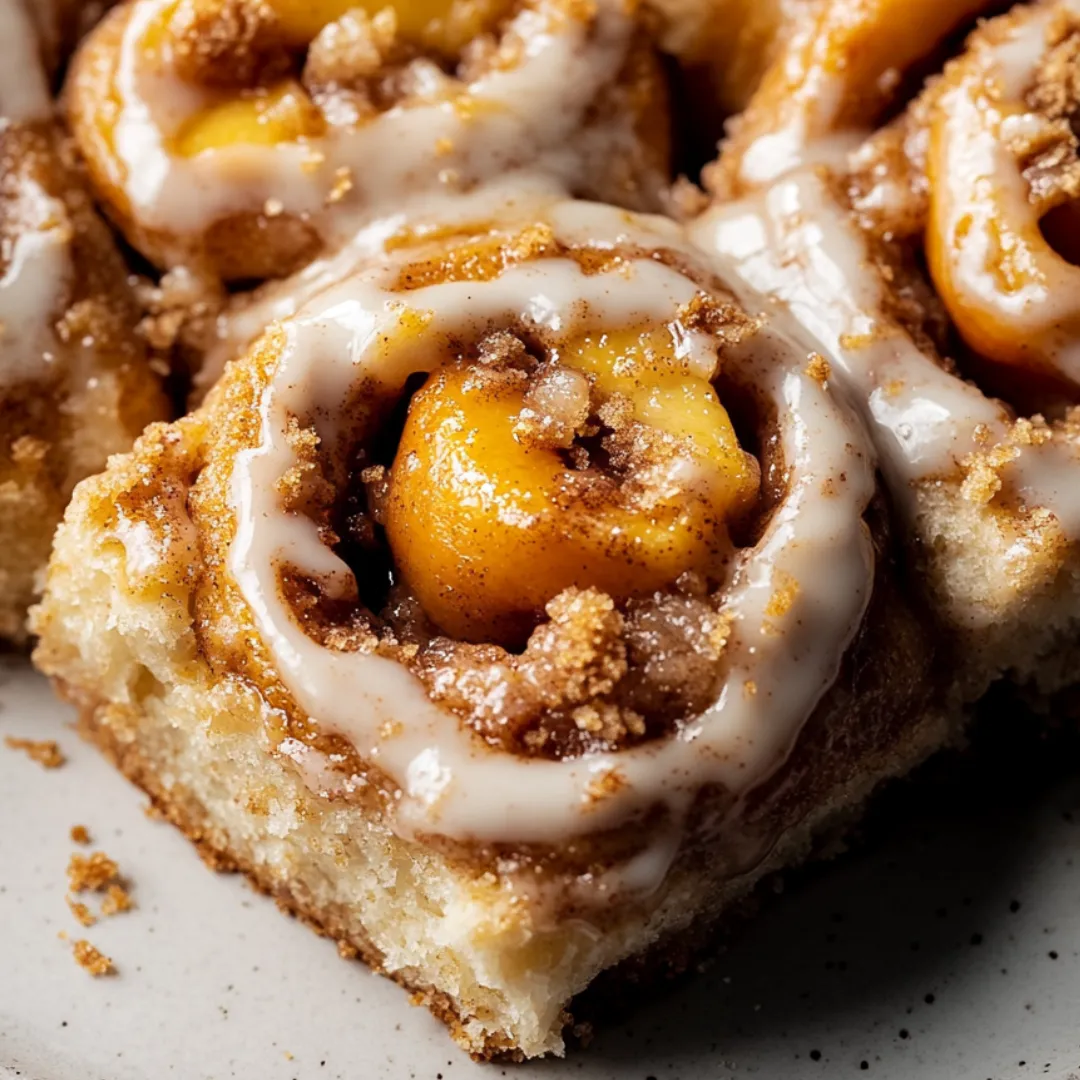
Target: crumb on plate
point(116, 900)
point(46, 752)
point(81, 912)
point(94, 872)
point(91, 959)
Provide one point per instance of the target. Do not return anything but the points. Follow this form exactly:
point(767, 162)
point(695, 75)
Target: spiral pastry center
point(611, 465)
point(567, 483)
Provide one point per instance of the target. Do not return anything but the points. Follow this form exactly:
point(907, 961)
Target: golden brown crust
point(183, 811)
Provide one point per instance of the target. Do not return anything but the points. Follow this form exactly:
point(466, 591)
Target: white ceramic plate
point(908, 959)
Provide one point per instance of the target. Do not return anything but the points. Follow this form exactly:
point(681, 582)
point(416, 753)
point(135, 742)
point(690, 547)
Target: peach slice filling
point(487, 525)
point(283, 111)
point(264, 117)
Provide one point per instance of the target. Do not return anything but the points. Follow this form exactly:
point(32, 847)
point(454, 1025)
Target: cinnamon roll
point(507, 611)
point(75, 385)
point(931, 265)
point(240, 138)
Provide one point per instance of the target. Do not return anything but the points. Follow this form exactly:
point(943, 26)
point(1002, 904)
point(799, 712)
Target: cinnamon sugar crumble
point(818, 369)
point(591, 677)
point(96, 873)
point(725, 321)
point(46, 752)
point(91, 959)
point(604, 786)
point(347, 950)
point(1048, 153)
point(82, 913)
point(228, 44)
point(983, 468)
point(117, 900)
point(784, 596)
point(93, 873)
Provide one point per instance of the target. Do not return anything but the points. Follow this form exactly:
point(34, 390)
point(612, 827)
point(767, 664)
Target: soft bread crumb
point(46, 752)
point(91, 959)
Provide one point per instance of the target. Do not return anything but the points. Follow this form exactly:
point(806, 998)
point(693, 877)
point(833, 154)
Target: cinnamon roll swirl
point(75, 386)
point(508, 610)
point(965, 372)
point(240, 138)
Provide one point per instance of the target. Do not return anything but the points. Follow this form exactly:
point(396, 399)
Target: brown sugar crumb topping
point(1049, 157)
point(91, 959)
point(80, 834)
point(117, 900)
point(226, 44)
point(591, 677)
point(93, 873)
point(46, 752)
point(724, 320)
point(818, 369)
point(82, 913)
point(604, 786)
point(782, 599)
point(982, 468)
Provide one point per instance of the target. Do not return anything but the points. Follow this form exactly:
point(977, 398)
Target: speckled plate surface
point(947, 946)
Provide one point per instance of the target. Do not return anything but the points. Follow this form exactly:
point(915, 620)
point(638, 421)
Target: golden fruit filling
point(262, 94)
point(265, 117)
point(610, 465)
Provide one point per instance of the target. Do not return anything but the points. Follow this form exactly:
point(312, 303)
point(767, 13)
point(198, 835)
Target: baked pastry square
point(507, 613)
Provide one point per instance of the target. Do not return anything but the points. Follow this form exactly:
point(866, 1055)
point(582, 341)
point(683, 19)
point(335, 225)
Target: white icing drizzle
point(777, 665)
point(793, 246)
point(1003, 283)
point(836, 54)
point(35, 256)
point(33, 287)
point(24, 85)
point(510, 196)
point(529, 114)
